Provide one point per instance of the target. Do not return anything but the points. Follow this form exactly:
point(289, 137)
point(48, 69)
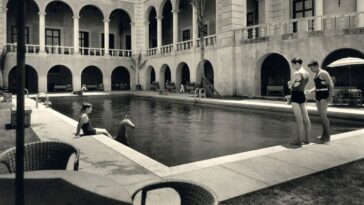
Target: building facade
point(249, 43)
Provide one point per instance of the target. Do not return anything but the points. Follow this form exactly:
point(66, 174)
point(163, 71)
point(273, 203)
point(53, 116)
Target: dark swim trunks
point(298, 97)
point(322, 95)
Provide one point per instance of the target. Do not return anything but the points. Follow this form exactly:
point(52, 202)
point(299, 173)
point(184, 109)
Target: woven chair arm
point(77, 157)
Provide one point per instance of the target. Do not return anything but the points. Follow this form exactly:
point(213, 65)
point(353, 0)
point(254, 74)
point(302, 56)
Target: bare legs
point(322, 110)
point(303, 123)
point(103, 131)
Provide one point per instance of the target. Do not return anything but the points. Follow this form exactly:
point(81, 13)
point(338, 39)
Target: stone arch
point(59, 78)
point(265, 76)
point(150, 76)
point(92, 77)
point(345, 76)
point(152, 28)
point(167, 23)
point(6, 2)
point(94, 6)
point(130, 15)
point(164, 75)
point(209, 72)
point(120, 25)
point(32, 18)
point(31, 79)
point(59, 1)
point(162, 5)
point(120, 79)
point(182, 74)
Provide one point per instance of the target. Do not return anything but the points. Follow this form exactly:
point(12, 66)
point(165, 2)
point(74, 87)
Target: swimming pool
point(178, 133)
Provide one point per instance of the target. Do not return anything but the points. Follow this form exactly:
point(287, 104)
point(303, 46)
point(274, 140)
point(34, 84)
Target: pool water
point(177, 133)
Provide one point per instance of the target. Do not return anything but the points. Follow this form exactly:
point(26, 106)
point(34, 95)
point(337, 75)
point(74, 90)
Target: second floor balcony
point(300, 28)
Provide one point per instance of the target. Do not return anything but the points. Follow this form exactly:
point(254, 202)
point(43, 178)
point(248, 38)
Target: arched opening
point(152, 19)
point(59, 79)
point(165, 76)
point(150, 77)
point(31, 79)
point(120, 30)
point(120, 79)
point(91, 23)
point(185, 20)
point(344, 76)
point(275, 72)
point(31, 27)
point(183, 74)
point(167, 24)
point(91, 76)
point(209, 72)
point(58, 15)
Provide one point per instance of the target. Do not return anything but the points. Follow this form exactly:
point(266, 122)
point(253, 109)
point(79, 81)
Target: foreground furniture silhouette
point(190, 193)
point(49, 155)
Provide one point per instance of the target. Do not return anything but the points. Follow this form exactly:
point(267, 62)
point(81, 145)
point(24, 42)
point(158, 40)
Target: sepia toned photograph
point(181, 102)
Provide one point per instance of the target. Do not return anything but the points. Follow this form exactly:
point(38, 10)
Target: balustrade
point(184, 45)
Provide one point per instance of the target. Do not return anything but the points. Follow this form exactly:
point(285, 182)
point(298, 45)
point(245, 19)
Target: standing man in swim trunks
point(324, 88)
point(298, 99)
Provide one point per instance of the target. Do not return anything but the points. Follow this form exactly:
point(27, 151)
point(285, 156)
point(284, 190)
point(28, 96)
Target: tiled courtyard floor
point(228, 176)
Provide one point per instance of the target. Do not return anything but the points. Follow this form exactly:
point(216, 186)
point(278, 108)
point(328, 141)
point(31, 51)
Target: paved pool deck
point(228, 176)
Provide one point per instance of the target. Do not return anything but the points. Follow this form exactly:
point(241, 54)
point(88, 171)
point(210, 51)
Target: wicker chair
point(49, 155)
point(189, 192)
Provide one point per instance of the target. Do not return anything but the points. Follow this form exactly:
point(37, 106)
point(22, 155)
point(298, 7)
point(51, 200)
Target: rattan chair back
point(48, 155)
point(189, 192)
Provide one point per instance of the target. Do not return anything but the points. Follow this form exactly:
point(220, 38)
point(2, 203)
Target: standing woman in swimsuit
point(84, 123)
point(298, 99)
point(324, 89)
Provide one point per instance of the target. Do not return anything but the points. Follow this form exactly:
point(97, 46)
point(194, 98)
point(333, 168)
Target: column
point(42, 32)
point(319, 12)
point(106, 36)
point(159, 33)
point(4, 35)
point(76, 38)
point(261, 11)
point(175, 28)
point(133, 37)
point(360, 8)
point(194, 26)
point(146, 27)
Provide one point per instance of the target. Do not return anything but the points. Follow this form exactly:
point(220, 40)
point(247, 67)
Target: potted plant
point(137, 64)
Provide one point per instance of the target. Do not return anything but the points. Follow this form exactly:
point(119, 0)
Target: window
point(250, 19)
point(111, 41)
point(128, 42)
point(53, 37)
point(205, 30)
point(303, 8)
point(186, 35)
point(84, 39)
point(14, 35)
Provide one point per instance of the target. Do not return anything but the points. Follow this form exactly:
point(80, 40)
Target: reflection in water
point(176, 133)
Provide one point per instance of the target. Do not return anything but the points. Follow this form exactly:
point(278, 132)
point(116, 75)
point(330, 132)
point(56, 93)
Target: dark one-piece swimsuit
point(297, 93)
point(88, 129)
point(322, 90)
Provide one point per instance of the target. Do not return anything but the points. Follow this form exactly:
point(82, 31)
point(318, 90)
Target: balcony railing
point(208, 41)
point(92, 51)
point(315, 24)
point(167, 49)
point(59, 50)
point(184, 45)
point(120, 53)
point(152, 52)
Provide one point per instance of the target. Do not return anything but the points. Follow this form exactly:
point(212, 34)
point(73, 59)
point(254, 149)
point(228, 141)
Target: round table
point(60, 187)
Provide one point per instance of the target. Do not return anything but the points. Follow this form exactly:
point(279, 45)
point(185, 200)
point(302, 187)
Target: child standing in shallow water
point(85, 124)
